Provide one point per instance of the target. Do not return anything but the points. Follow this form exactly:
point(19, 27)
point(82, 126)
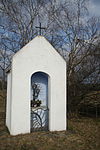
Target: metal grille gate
point(39, 118)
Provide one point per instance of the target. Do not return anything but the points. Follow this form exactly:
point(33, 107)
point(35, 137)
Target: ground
point(83, 134)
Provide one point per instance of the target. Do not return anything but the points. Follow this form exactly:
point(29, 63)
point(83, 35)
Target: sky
point(94, 7)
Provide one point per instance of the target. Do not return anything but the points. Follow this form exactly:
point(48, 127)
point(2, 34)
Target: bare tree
point(67, 28)
point(81, 38)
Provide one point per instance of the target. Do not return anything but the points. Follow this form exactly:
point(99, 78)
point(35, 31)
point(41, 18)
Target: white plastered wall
point(8, 106)
point(36, 56)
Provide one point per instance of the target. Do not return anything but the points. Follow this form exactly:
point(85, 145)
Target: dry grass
point(83, 134)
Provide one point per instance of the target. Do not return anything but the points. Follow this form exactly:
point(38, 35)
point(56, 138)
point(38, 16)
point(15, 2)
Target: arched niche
point(41, 79)
point(39, 113)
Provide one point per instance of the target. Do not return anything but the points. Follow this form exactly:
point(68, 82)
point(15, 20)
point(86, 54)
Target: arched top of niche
point(40, 72)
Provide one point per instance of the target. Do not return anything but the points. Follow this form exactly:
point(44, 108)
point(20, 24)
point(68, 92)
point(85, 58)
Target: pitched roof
point(9, 67)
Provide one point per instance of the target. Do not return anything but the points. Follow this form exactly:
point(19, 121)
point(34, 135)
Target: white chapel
point(36, 89)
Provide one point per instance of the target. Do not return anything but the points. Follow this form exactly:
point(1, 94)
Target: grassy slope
point(83, 134)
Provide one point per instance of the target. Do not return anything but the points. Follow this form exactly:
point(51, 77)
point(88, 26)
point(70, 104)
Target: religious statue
point(36, 90)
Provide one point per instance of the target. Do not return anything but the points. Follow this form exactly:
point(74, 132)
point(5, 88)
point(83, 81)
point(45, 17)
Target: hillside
point(82, 134)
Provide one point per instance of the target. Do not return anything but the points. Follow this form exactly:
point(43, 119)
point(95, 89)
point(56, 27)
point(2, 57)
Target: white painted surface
point(8, 106)
point(37, 55)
